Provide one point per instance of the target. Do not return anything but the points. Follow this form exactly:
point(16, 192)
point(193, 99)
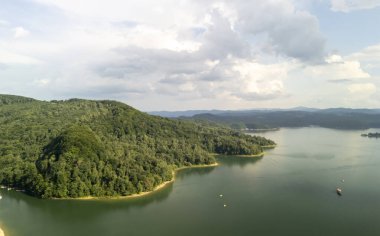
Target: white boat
point(1, 197)
point(339, 191)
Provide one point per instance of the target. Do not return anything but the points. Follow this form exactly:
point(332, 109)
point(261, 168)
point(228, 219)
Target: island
point(80, 148)
point(371, 135)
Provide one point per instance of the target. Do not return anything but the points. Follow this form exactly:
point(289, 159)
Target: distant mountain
point(189, 113)
point(173, 114)
point(350, 110)
point(77, 148)
point(338, 118)
point(302, 109)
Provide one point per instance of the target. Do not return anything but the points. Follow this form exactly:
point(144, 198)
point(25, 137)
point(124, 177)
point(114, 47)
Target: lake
point(290, 191)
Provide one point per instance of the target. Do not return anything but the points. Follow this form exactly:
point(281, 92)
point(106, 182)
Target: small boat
point(221, 195)
point(9, 189)
point(339, 191)
point(225, 205)
point(1, 197)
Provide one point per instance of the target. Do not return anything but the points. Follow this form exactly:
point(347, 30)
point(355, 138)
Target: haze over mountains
point(340, 118)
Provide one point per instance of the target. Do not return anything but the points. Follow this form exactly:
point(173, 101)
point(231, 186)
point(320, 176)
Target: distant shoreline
point(141, 194)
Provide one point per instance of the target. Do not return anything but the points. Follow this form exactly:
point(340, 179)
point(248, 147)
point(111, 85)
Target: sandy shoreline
point(1, 232)
point(261, 154)
point(136, 195)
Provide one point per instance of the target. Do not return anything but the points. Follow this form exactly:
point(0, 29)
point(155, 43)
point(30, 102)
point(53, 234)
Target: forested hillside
point(79, 148)
point(267, 119)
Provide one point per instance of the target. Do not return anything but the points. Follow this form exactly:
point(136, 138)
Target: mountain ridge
point(189, 113)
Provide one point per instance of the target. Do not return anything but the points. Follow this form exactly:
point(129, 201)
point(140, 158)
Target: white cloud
point(369, 54)
point(353, 5)
point(20, 32)
point(187, 87)
point(42, 82)
point(189, 54)
point(369, 58)
point(334, 58)
point(288, 30)
point(258, 81)
point(147, 37)
point(337, 68)
point(362, 89)
point(7, 57)
point(292, 32)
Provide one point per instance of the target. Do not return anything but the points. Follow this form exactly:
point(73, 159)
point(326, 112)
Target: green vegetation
point(78, 148)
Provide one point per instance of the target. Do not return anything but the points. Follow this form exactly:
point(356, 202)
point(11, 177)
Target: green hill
point(12, 99)
point(77, 148)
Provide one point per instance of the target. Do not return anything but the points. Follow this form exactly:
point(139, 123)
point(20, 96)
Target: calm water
point(291, 191)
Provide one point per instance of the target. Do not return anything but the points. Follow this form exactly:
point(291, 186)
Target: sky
point(199, 54)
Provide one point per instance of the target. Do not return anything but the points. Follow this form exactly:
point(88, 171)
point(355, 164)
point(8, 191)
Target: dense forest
point(77, 148)
point(269, 119)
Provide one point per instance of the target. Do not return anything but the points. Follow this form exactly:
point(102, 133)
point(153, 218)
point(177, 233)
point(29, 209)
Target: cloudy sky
point(193, 54)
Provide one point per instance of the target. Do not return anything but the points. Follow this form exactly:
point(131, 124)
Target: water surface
point(290, 191)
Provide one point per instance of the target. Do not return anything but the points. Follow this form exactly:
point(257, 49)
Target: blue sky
point(199, 54)
point(348, 32)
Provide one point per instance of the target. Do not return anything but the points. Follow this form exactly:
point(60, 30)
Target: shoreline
point(260, 130)
point(162, 185)
point(141, 194)
point(1, 232)
point(261, 154)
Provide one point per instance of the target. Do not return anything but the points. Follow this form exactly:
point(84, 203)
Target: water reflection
point(83, 210)
point(304, 155)
point(88, 210)
point(194, 171)
point(231, 161)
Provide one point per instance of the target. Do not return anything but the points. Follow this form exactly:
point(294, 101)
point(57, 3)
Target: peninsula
point(82, 148)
